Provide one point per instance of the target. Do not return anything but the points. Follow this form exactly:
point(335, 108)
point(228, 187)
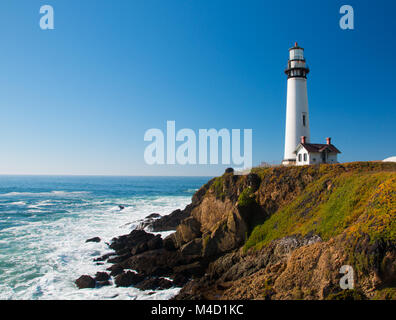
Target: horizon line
point(102, 175)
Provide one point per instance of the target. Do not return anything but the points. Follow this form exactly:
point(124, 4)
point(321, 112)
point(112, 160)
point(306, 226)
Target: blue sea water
point(45, 220)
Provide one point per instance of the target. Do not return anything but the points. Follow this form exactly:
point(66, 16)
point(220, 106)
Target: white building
point(297, 117)
point(315, 153)
point(301, 152)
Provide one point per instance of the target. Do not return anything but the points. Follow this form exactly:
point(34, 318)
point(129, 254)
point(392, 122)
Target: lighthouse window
point(303, 120)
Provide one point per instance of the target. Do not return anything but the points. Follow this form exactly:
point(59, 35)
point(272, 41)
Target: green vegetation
point(347, 295)
point(218, 187)
point(356, 198)
point(246, 198)
point(386, 294)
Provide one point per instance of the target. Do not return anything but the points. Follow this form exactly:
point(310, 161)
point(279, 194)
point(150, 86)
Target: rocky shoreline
point(144, 260)
point(218, 252)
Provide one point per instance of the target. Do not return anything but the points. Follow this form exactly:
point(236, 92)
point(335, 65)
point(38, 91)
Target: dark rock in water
point(152, 244)
point(103, 283)
point(153, 216)
point(95, 239)
point(169, 222)
point(104, 257)
point(125, 250)
point(102, 276)
point(229, 170)
point(120, 258)
point(121, 207)
point(130, 240)
point(115, 270)
point(179, 280)
point(85, 281)
point(154, 283)
point(149, 220)
point(155, 262)
point(129, 278)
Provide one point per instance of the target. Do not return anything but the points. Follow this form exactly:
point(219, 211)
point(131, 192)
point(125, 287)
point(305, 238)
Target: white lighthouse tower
point(297, 118)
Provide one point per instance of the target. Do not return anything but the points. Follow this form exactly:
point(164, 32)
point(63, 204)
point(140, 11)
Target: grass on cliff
point(359, 200)
point(246, 198)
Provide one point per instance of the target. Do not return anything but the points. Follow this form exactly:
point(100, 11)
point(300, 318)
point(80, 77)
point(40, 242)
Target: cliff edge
point(285, 232)
point(277, 233)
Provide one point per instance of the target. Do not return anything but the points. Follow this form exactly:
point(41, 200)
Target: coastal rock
point(153, 216)
point(104, 257)
point(148, 221)
point(195, 269)
point(180, 279)
point(152, 244)
point(139, 248)
point(257, 237)
point(120, 258)
point(155, 262)
point(115, 270)
point(85, 281)
point(102, 276)
point(127, 279)
point(95, 239)
point(188, 230)
point(155, 243)
point(154, 284)
point(169, 222)
point(192, 248)
point(103, 283)
point(169, 242)
point(126, 243)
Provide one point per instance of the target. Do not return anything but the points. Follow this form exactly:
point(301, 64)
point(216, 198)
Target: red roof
point(318, 147)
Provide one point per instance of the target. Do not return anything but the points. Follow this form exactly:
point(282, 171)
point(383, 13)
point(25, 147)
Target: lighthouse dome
point(296, 52)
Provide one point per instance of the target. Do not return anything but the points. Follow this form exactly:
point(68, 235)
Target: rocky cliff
point(277, 233)
point(285, 232)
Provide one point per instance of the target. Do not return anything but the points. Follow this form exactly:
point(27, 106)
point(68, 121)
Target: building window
point(299, 157)
point(305, 157)
point(304, 120)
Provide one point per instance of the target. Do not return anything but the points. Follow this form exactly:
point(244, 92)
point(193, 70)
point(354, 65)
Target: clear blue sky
point(78, 99)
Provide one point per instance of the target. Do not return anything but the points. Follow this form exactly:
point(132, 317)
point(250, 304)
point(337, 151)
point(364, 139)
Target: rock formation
point(277, 233)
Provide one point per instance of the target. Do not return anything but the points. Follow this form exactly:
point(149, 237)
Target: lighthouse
point(297, 118)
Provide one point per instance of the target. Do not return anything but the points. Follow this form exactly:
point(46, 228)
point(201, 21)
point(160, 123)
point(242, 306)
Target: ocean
point(45, 221)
